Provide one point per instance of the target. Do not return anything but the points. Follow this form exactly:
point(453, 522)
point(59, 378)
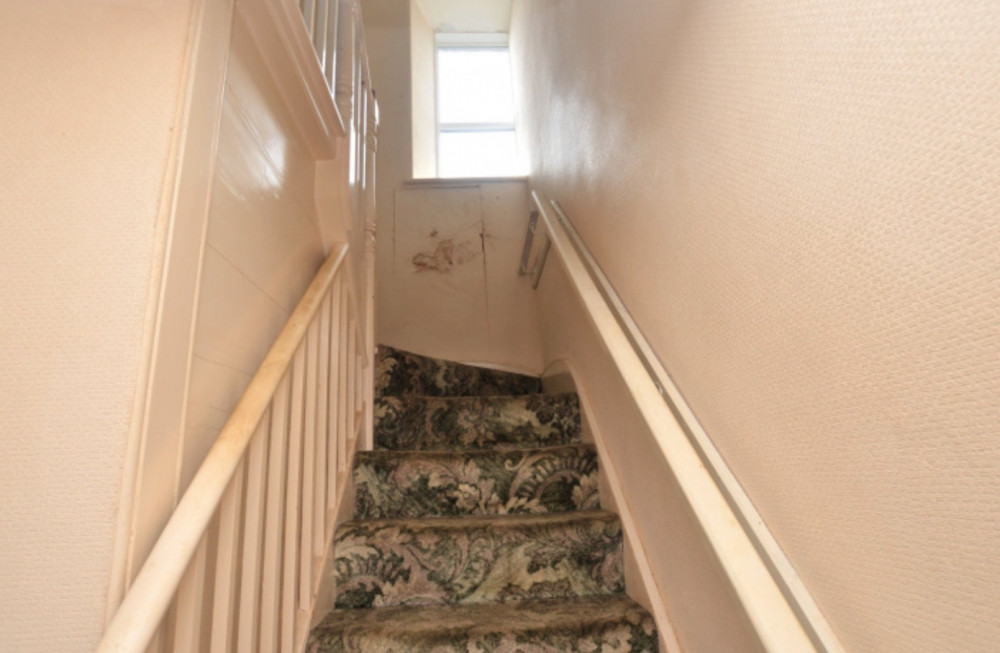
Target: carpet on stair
point(400, 373)
point(477, 559)
point(400, 484)
point(608, 624)
point(478, 526)
point(457, 423)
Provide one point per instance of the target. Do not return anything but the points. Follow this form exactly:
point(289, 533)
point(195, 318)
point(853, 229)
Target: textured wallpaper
point(798, 201)
point(89, 100)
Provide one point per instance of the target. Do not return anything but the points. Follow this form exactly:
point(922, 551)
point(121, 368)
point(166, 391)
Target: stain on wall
point(445, 255)
point(453, 289)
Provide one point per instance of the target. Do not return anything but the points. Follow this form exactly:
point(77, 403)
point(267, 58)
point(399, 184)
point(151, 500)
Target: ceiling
point(467, 15)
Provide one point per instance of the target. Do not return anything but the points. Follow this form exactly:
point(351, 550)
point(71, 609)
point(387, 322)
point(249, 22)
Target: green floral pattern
point(458, 423)
point(400, 373)
point(478, 525)
point(607, 624)
point(390, 484)
point(475, 560)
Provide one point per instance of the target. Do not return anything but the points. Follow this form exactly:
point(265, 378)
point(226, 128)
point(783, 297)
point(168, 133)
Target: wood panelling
point(263, 245)
point(448, 274)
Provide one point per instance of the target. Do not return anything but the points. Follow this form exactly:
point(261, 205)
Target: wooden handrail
point(142, 610)
point(772, 614)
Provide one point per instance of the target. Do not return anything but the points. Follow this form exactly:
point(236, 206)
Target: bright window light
point(474, 86)
point(475, 112)
point(477, 154)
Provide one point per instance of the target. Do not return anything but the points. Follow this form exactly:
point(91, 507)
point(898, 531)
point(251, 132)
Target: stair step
point(460, 423)
point(402, 373)
point(396, 484)
point(436, 561)
point(604, 624)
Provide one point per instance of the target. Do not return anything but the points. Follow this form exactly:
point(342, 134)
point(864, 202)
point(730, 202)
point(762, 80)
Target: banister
point(779, 607)
point(146, 602)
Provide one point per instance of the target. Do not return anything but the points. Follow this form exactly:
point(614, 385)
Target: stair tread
point(441, 560)
point(393, 484)
point(606, 623)
point(429, 423)
point(401, 373)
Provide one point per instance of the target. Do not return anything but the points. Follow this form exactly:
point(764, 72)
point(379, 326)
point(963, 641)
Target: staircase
point(477, 524)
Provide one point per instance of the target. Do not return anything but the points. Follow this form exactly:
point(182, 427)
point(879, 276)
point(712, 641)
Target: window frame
point(469, 41)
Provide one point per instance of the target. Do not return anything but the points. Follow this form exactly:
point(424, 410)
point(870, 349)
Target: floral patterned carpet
point(477, 524)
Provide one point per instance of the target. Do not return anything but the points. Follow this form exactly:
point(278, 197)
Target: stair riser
point(400, 373)
point(425, 423)
point(391, 485)
point(393, 563)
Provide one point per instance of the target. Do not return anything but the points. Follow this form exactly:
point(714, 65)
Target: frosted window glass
point(477, 154)
point(474, 86)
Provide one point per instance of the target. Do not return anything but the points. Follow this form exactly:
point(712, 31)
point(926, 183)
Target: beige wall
point(387, 31)
point(797, 201)
point(440, 313)
point(88, 118)
point(423, 85)
point(687, 583)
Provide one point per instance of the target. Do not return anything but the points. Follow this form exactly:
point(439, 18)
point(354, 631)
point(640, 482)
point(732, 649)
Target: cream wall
point(423, 85)
point(433, 312)
point(89, 113)
point(797, 202)
point(387, 31)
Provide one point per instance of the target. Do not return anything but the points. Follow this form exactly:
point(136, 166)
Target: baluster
point(158, 643)
point(308, 8)
point(226, 564)
point(330, 63)
point(190, 599)
point(352, 414)
point(308, 471)
point(273, 533)
point(336, 326)
point(319, 31)
point(322, 435)
point(342, 406)
point(253, 518)
point(290, 576)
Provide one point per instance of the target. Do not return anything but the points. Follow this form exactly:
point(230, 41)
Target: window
point(475, 107)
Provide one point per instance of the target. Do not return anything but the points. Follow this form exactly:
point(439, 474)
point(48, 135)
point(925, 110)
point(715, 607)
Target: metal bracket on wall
point(539, 266)
point(529, 239)
point(543, 252)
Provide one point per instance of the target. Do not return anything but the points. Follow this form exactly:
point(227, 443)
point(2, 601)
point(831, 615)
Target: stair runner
point(477, 524)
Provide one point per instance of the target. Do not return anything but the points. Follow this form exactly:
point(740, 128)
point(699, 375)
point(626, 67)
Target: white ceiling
point(467, 15)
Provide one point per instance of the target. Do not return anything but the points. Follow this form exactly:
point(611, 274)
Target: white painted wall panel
point(452, 289)
point(263, 245)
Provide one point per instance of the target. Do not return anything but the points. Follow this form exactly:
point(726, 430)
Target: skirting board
point(561, 376)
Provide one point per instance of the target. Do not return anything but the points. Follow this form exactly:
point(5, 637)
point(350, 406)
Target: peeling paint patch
point(445, 256)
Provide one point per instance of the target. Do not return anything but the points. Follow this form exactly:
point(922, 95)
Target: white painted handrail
point(300, 394)
point(777, 605)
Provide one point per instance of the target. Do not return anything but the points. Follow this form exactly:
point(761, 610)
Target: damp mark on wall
point(445, 256)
